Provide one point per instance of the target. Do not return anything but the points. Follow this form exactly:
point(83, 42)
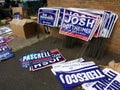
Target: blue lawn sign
point(109, 22)
point(79, 24)
point(110, 82)
point(2, 40)
point(39, 60)
point(17, 16)
point(5, 52)
point(72, 74)
point(60, 16)
point(34, 58)
point(101, 15)
point(48, 16)
point(57, 57)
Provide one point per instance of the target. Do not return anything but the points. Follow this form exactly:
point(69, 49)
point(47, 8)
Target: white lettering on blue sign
point(81, 77)
point(104, 82)
point(6, 54)
point(76, 29)
point(42, 64)
point(3, 47)
point(46, 17)
point(2, 41)
point(80, 20)
point(36, 56)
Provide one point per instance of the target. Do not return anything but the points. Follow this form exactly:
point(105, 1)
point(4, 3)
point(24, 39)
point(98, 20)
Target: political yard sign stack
point(5, 51)
point(87, 74)
point(79, 23)
point(44, 58)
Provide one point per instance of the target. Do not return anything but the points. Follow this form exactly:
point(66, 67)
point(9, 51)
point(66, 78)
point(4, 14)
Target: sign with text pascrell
point(79, 24)
point(57, 57)
point(33, 58)
point(41, 59)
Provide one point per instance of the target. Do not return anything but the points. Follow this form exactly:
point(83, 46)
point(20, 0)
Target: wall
point(112, 5)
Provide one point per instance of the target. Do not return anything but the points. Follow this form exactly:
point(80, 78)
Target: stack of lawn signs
point(79, 23)
point(86, 23)
point(41, 59)
point(110, 19)
point(5, 31)
point(110, 82)
point(76, 72)
point(5, 52)
point(48, 16)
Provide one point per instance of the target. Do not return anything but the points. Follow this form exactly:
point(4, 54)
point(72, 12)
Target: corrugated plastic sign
point(76, 72)
point(110, 82)
point(35, 58)
point(5, 52)
point(41, 59)
point(79, 24)
point(56, 58)
point(48, 16)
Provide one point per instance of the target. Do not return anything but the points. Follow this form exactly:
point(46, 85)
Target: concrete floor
point(13, 77)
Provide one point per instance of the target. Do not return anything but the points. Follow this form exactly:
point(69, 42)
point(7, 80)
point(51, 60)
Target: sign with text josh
point(79, 24)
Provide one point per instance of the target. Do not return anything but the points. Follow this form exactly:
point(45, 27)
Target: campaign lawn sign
point(100, 14)
point(76, 73)
point(5, 30)
point(48, 16)
point(5, 51)
point(109, 22)
point(39, 60)
point(60, 16)
point(34, 58)
point(57, 57)
point(110, 82)
point(79, 24)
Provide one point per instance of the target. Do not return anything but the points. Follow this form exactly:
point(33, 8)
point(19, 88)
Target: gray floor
point(13, 77)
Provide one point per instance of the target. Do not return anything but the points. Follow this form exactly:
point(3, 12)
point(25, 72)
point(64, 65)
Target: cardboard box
point(5, 21)
point(21, 10)
point(41, 29)
point(24, 28)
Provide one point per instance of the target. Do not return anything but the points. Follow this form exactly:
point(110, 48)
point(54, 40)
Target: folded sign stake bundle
point(79, 23)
